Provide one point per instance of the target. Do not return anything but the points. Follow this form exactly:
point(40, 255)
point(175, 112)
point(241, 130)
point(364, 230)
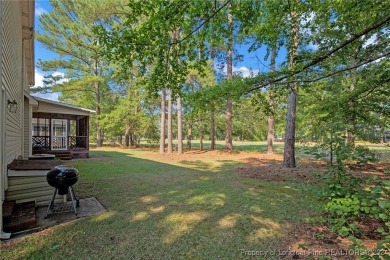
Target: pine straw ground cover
point(318, 239)
point(199, 205)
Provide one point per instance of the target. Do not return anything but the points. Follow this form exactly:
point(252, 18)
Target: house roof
point(32, 100)
point(62, 105)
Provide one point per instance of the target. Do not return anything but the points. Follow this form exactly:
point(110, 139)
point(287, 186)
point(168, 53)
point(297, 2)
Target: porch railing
point(41, 142)
point(74, 142)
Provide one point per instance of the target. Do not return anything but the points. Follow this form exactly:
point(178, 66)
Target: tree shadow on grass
point(212, 166)
point(158, 210)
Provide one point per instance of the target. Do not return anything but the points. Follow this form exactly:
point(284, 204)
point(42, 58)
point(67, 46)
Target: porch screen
point(40, 127)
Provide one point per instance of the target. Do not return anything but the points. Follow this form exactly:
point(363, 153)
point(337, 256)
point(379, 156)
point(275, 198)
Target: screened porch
point(54, 132)
point(57, 127)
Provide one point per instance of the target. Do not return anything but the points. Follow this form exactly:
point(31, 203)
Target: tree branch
point(203, 23)
point(347, 42)
point(325, 56)
point(337, 71)
point(372, 89)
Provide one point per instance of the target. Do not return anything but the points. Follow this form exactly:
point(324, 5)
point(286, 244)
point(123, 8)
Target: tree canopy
point(330, 66)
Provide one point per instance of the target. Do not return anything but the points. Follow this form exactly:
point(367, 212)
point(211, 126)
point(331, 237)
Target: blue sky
point(251, 61)
point(42, 7)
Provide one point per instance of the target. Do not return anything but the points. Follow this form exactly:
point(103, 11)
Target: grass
point(181, 210)
point(247, 146)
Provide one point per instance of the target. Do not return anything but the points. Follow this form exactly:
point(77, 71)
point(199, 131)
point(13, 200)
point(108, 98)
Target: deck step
point(22, 218)
point(63, 155)
point(8, 207)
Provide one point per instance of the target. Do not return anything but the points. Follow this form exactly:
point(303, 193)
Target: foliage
point(133, 115)
point(104, 44)
point(349, 199)
point(67, 31)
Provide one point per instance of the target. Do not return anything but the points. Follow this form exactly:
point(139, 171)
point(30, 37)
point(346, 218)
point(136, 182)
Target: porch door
point(59, 134)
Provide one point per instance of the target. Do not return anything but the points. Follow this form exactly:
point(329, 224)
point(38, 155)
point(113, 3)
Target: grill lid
point(62, 177)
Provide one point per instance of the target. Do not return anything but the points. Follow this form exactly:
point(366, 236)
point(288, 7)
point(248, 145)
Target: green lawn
point(247, 146)
point(250, 146)
point(162, 210)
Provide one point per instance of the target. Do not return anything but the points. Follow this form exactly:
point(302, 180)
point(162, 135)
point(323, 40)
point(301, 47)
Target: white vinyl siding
point(11, 76)
point(46, 107)
point(2, 118)
point(31, 188)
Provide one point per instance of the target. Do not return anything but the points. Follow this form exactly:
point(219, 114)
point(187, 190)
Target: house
point(30, 125)
point(16, 75)
point(60, 128)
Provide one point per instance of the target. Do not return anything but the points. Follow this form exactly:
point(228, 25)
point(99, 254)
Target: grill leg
point(51, 203)
point(74, 199)
point(74, 194)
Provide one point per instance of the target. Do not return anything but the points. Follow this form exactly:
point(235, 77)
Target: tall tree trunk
point(162, 123)
point(289, 142)
point(189, 136)
point(212, 124)
point(179, 112)
point(127, 135)
point(229, 103)
point(212, 109)
point(132, 139)
point(179, 126)
point(201, 135)
point(136, 123)
point(270, 135)
point(99, 134)
point(349, 132)
point(271, 130)
point(170, 150)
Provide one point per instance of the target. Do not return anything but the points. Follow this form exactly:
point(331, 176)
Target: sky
point(251, 63)
point(42, 7)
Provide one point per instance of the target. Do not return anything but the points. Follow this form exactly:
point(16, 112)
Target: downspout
point(24, 82)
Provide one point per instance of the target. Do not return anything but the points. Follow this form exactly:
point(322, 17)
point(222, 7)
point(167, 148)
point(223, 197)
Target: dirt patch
point(270, 168)
point(305, 241)
point(273, 170)
point(193, 155)
point(267, 167)
point(381, 169)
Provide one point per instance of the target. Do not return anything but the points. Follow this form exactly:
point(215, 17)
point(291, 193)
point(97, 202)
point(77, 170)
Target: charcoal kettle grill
point(62, 178)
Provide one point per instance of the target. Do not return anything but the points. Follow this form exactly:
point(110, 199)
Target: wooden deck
point(27, 181)
point(27, 165)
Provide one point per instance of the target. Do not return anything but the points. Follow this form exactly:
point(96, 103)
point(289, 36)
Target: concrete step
point(22, 218)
